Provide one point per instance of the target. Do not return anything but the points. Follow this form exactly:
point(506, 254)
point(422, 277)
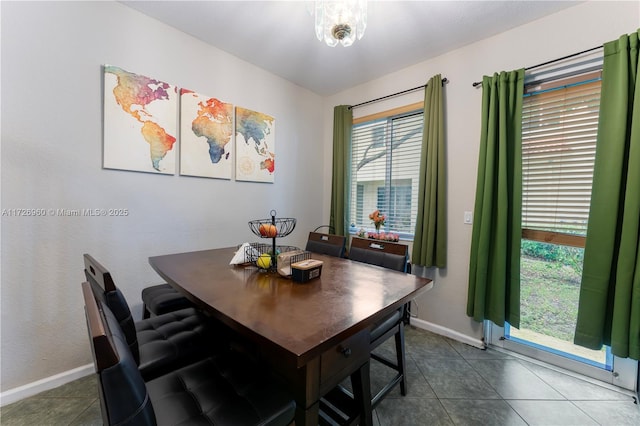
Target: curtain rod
point(444, 80)
point(478, 83)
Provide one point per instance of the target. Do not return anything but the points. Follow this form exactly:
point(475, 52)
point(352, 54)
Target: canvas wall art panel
point(255, 146)
point(140, 122)
point(206, 131)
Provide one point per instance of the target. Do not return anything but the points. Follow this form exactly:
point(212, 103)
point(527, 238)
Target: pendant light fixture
point(340, 21)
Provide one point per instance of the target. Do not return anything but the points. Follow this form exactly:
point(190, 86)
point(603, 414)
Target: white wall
point(52, 54)
point(572, 30)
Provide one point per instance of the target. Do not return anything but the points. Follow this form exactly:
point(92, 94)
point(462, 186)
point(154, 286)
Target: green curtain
point(494, 267)
point(339, 214)
point(430, 240)
point(609, 308)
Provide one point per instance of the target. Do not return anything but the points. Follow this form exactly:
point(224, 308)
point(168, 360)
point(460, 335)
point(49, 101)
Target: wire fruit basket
point(255, 251)
point(272, 228)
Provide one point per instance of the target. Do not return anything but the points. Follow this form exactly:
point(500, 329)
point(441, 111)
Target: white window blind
point(559, 128)
point(385, 163)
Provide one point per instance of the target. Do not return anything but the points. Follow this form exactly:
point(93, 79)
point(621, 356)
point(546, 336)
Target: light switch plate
point(468, 218)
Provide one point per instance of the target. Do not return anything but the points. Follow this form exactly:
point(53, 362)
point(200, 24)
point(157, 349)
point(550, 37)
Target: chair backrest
point(98, 273)
point(329, 244)
point(381, 253)
point(123, 393)
point(105, 290)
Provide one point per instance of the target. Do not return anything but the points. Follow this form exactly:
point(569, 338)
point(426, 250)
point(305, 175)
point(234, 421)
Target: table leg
point(305, 385)
point(309, 416)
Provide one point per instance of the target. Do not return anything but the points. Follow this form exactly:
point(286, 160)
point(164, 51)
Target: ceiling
point(278, 36)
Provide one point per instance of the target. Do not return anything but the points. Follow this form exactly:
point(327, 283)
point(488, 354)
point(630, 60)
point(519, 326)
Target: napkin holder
point(287, 258)
point(306, 270)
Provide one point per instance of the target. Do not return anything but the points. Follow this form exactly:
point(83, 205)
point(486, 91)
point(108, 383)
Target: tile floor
point(449, 383)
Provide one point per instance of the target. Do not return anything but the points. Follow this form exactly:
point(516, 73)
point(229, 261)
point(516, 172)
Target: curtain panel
point(494, 267)
point(609, 306)
point(430, 240)
point(339, 213)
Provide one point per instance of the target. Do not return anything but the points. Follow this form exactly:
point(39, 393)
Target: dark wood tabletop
point(296, 322)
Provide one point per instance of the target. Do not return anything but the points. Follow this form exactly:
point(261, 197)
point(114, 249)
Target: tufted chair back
point(105, 290)
point(123, 393)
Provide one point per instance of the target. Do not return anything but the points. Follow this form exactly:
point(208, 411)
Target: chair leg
point(402, 364)
point(406, 316)
point(361, 383)
point(145, 312)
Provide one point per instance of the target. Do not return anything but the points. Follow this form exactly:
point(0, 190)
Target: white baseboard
point(447, 332)
point(34, 388)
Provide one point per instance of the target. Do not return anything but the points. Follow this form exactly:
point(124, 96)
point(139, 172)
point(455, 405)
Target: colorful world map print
point(255, 146)
point(140, 122)
point(206, 130)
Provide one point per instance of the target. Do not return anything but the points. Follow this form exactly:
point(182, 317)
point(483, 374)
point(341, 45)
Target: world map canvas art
point(255, 146)
point(206, 131)
point(140, 122)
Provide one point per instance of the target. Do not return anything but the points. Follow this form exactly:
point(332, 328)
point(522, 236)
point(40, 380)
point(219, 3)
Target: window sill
point(404, 236)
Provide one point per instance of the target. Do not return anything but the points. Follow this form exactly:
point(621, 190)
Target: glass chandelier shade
point(340, 21)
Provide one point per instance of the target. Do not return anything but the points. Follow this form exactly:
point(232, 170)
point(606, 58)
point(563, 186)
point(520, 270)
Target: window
point(385, 163)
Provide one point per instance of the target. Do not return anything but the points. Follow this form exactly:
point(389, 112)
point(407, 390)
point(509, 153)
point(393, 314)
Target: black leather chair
point(393, 256)
point(161, 299)
point(381, 253)
point(329, 244)
point(218, 390)
point(162, 343)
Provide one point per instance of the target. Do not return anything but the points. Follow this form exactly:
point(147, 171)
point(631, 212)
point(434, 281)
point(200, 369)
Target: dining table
point(313, 334)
